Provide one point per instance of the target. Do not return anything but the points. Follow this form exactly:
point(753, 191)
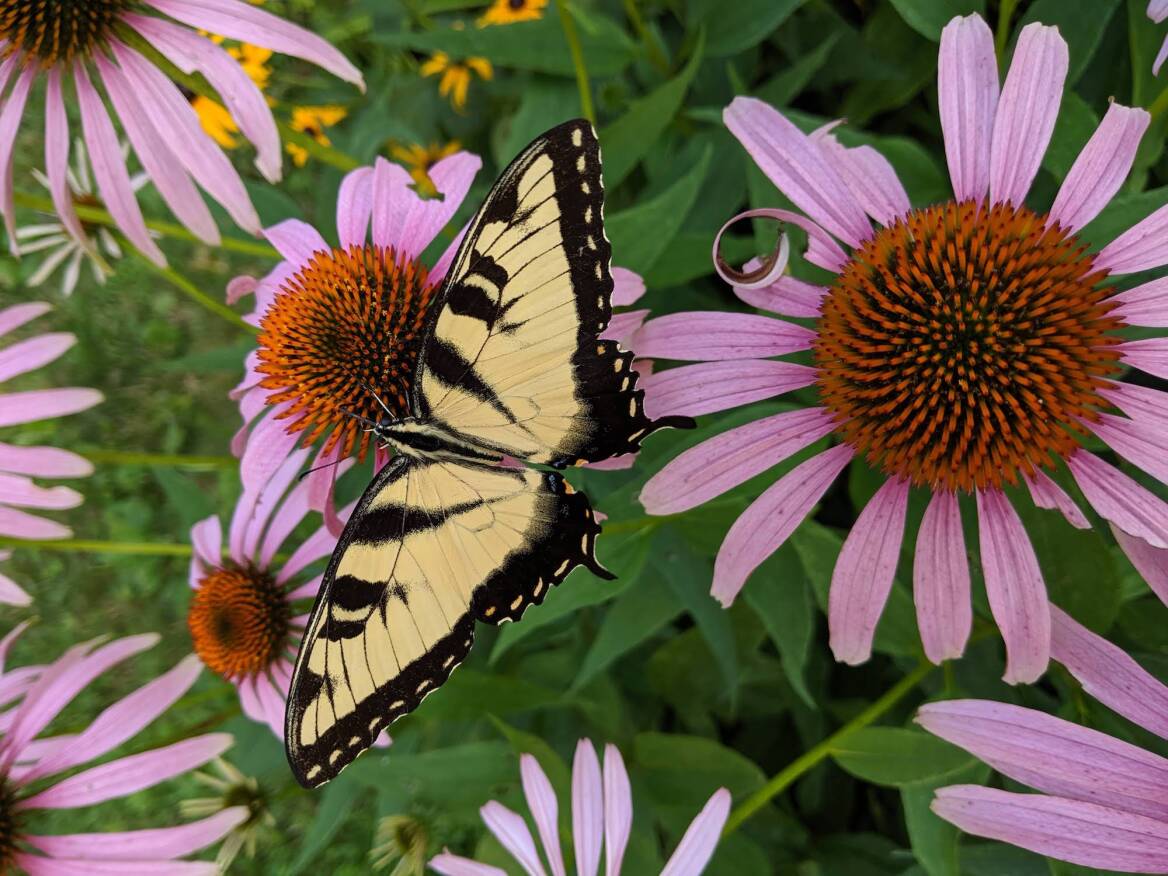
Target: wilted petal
point(941, 580)
point(786, 297)
point(967, 88)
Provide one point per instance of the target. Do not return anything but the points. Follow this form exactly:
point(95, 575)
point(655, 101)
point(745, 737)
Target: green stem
point(1159, 106)
point(171, 460)
point(813, 756)
point(98, 216)
point(573, 38)
point(195, 293)
point(656, 57)
point(80, 546)
point(327, 154)
point(1002, 36)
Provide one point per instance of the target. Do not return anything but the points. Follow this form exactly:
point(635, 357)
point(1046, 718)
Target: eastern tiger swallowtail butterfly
point(449, 531)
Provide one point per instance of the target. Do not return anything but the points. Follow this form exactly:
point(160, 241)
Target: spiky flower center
point(239, 621)
point(58, 31)
point(964, 344)
point(10, 826)
point(341, 335)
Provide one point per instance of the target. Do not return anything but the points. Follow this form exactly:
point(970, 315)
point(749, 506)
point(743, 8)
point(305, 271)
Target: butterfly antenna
point(373, 427)
point(305, 474)
point(373, 392)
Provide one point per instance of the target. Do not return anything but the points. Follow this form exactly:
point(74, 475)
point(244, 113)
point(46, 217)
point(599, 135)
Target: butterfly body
point(466, 523)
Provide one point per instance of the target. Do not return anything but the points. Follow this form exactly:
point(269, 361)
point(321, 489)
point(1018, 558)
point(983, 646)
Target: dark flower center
point(963, 345)
point(343, 333)
point(10, 826)
point(238, 620)
point(57, 31)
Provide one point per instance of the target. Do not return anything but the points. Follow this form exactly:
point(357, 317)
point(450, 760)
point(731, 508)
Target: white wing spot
point(585, 188)
point(421, 687)
point(356, 740)
point(538, 588)
point(581, 164)
point(313, 773)
point(588, 214)
point(447, 661)
point(518, 602)
point(397, 705)
point(577, 137)
point(490, 611)
point(334, 757)
point(563, 567)
point(632, 407)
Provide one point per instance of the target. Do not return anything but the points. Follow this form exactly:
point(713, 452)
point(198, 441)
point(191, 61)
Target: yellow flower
point(456, 75)
point(419, 159)
point(511, 11)
point(312, 120)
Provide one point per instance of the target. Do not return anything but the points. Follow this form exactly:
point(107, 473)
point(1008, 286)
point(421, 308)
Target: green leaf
point(784, 86)
point(458, 775)
point(1075, 124)
point(688, 256)
point(934, 840)
point(545, 102)
point(332, 808)
point(468, 693)
point(781, 598)
point(528, 743)
point(734, 27)
point(929, 17)
point(1081, 23)
point(682, 767)
point(626, 141)
point(640, 234)
point(898, 756)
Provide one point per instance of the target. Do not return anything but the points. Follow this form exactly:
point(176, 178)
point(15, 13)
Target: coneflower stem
point(638, 22)
point(195, 293)
point(170, 460)
point(573, 38)
point(814, 756)
point(81, 546)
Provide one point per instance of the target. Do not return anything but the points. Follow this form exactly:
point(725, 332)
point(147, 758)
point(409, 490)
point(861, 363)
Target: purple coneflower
point(1103, 803)
point(19, 464)
point(63, 42)
point(962, 348)
point(602, 817)
point(342, 326)
point(32, 697)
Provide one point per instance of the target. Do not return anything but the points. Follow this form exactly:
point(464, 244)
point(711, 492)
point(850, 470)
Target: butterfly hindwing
point(514, 361)
point(431, 547)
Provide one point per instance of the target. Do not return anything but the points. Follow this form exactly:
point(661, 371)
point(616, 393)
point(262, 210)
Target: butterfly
point(453, 529)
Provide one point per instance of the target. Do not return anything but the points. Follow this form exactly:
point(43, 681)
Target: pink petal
point(240, 286)
point(1053, 755)
point(1015, 588)
point(786, 297)
point(1150, 355)
point(45, 404)
point(207, 539)
point(43, 462)
point(871, 179)
point(438, 272)
point(1143, 246)
point(1157, 10)
point(1143, 404)
point(941, 580)
point(452, 176)
point(245, 544)
point(395, 203)
point(701, 838)
point(795, 165)
point(296, 241)
point(511, 831)
point(771, 519)
point(1146, 304)
point(541, 800)
point(306, 590)
point(1150, 562)
point(322, 482)
point(822, 250)
point(627, 287)
point(14, 317)
point(453, 865)
point(1136, 442)
point(316, 547)
point(618, 810)
point(355, 207)
point(23, 492)
point(57, 157)
point(244, 22)
point(705, 387)
point(623, 327)
point(967, 89)
point(1026, 112)
point(1101, 167)
point(136, 845)
point(714, 335)
point(864, 571)
point(11, 593)
point(1161, 57)
point(292, 511)
point(1070, 830)
point(124, 776)
point(18, 524)
point(1047, 494)
point(732, 458)
point(35, 865)
point(33, 353)
point(1108, 674)
point(267, 447)
point(587, 808)
point(109, 167)
point(1119, 499)
point(10, 116)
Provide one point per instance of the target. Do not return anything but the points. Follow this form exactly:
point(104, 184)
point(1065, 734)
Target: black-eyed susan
point(312, 120)
point(511, 11)
point(418, 160)
point(456, 75)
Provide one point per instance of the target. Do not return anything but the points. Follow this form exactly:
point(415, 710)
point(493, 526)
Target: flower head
point(401, 843)
point(63, 42)
point(511, 11)
point(18, 465)
point(1102, 803)
point(312, 120)
point(602, 816)
point(231, 789)
point(456, 75)
point(960, 348)
point(34, 696)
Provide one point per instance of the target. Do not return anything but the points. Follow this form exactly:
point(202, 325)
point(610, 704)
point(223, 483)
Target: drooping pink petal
point(18, 524)
point(786, 297)
point(706, 387)
point(1101, 167)
point(109, 167)
point(1047, 494)
point(35, 865)
point(627, 287)
point(771, 519)
point(1149, 354)
point(267, 503)
point(322, 483)
point(1143, 246)
point(795, 165)
point(1109, 674)
point(1027, 111)
point(268, 446)
point(967, 89)
point(237, 288)
point(870, 178)
point(355, 207)
point(545, 809)
point(453, 865)
point(242, 21)
point(18, 314)
point(293, 509)
point(136, 845)
point(941, 580)
point(864, 571)
point(1119, 499)
point(296, 241)
point(511, 831)
point(45, 404)
point(618, 810)
point(1014, 586)
point(57, 156)
point(43, 462)
point(125, 775)
point(701, 838)
point(307, 589)
point(587, 808)
point(712, 335)
point(10, 116)
point(731, 458)
point(1151, 562)
point(33, 353)
point(317, 546)
point(1146, 304)
point(1070, 830)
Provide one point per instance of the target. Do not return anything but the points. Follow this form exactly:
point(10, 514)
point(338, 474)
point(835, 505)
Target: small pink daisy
point(602, 817)
point(961, 348)
point(31, 697)
point(1102, 803)
point(242, 614)
point(18, 465)
point(63, 42)
point(342, 326)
